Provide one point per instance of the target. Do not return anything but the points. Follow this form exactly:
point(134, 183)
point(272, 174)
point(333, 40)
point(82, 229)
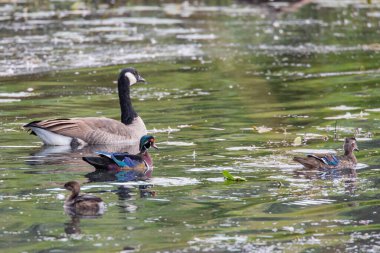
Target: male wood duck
point(82, 205)
point(127, 167)
point(330, 161)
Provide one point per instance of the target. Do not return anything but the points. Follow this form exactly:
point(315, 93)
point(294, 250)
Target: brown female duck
point(330, 161)
point(86, 205)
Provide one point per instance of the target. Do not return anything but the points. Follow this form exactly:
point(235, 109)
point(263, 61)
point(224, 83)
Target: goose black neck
point(127, 112)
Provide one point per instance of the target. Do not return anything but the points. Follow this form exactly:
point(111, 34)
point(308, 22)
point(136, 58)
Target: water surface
point(230, 88)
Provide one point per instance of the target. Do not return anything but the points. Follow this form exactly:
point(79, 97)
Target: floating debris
point(262, 129)
point(310, 202)
point(297, 141)
point(349, 116)
point(373, 110)
point(163, 130)
point(177, 143)
point(192, 37)
point(249, 148)
point(314, 151)
point(227, 176)
point(165, 182)
point(344, 108)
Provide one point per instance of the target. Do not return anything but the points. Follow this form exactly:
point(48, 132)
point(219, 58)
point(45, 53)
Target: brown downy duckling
point(330, 161)
point(86, 205)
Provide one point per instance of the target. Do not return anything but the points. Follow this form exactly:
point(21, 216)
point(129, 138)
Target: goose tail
point(29, 127)
point(51, 132)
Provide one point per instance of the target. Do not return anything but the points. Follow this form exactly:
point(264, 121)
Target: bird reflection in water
point(348, 176)
point(126, 193)
point(73, 226)
point(146, 192)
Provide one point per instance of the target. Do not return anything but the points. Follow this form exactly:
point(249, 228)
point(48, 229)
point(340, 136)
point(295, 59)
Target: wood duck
point(125, 166)
point(96, 130)
point(331, 161)
point(84, 205)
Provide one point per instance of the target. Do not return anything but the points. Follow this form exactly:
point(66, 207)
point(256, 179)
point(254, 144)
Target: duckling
point(86, 205)
point(330, 161)
point(96, 130)
point(127, 167)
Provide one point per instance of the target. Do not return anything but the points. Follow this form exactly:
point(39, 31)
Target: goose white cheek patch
point(131, 77)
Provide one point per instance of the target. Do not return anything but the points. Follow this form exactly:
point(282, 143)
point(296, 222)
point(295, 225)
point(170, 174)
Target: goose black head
point(350, 145)
point(131, 75)
point(146, 142)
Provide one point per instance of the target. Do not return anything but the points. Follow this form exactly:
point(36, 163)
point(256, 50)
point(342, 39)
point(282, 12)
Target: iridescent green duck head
point(146, 142)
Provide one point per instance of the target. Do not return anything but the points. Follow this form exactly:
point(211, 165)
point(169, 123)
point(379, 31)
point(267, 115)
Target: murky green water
point(229, 88)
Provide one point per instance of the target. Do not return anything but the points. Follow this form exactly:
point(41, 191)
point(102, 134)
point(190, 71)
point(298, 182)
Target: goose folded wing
point(82, 128)
point(58, 126)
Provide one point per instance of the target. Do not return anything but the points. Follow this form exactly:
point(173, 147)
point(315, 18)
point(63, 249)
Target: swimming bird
point(125, 166)
point(86, 205)
point(331, 161)
point(96, 130)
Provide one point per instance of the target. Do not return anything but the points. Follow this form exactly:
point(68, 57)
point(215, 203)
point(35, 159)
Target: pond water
point(231, 87)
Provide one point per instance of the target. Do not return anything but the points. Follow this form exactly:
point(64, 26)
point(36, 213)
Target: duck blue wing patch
point(328, 159)
point(129, 162)
point(331, 160)
point(118, 162)
point(121, 159)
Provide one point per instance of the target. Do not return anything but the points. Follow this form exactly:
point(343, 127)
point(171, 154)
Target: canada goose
point(93, 130)
point(87, 205)
point(125, 166)
point(330, 161)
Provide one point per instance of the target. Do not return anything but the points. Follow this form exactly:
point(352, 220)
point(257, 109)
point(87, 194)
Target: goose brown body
point(92, 130)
